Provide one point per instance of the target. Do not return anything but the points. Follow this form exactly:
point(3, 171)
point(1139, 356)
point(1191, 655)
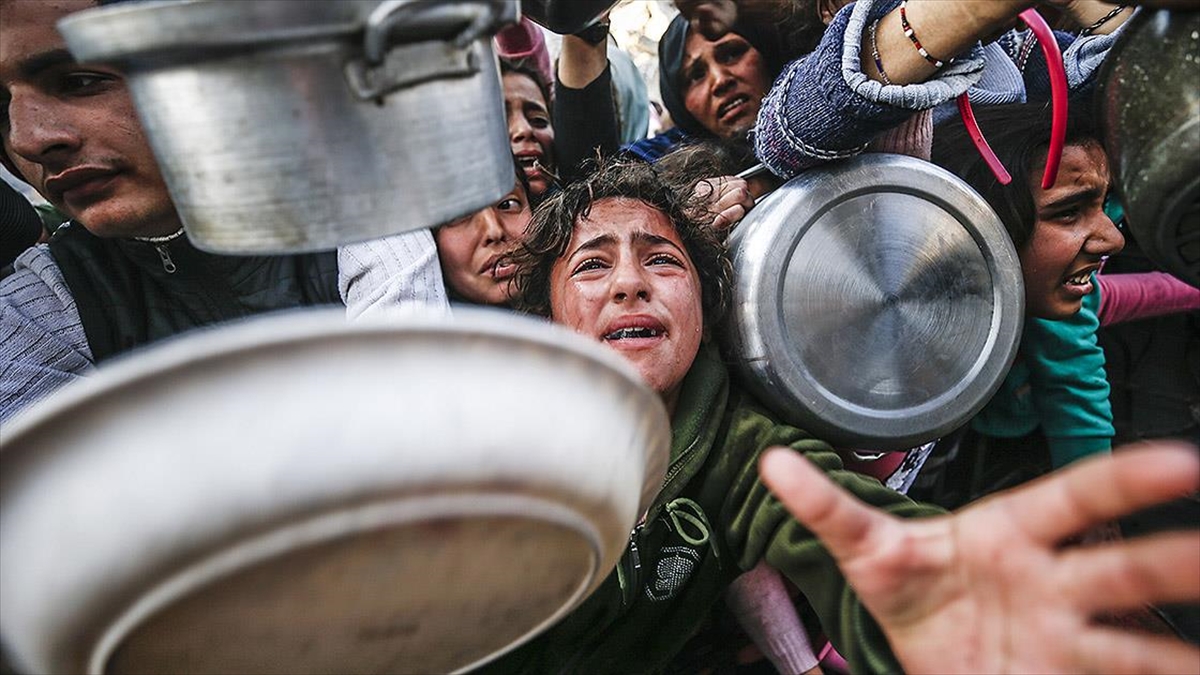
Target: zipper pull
point(631, 586)
point(164, 254)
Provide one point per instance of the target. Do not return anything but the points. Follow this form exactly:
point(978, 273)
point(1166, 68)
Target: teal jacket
point(712, 520)
point(1058, 383)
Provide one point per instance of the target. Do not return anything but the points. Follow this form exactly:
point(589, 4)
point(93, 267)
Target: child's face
point(473, 250)
point(626, 280)
point(1071, 234)
point(530, 132)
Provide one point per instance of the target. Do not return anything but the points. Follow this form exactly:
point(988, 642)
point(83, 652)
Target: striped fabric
point(42, 343)
point(397, 273)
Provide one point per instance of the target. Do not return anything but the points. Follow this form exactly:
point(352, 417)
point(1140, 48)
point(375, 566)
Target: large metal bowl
point(878, 301)
point(297, 125)
point(296, 494)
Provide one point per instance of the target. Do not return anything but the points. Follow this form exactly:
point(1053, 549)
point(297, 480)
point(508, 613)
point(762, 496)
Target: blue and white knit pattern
point(42, 343)
point(823, 106)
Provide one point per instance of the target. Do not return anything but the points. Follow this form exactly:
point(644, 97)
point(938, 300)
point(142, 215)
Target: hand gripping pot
point(1151, 113)
point(298, 125)
point(565, 16)
point(296, 494)
point(878, 301)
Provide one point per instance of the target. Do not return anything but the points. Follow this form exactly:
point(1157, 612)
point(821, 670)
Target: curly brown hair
point(550, 230)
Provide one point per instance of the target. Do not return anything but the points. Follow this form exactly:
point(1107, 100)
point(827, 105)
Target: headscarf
point(670, 66)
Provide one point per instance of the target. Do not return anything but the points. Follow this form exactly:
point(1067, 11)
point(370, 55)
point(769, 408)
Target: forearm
point(1130, 297)
point(945, 30)
point(585, 122)
point(824, 107)
point(580, 63)
point(760, 601)
point(1086, 13)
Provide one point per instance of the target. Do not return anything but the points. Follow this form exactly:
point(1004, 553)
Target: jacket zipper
point(160, 246)
point(164, 254)
point(629, 588)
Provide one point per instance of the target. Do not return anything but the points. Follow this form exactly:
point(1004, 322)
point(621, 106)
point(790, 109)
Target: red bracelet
point(908, 30)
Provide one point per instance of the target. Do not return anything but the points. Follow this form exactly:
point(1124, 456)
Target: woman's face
point(530, 133)
point(473, 250)
point(627, 280)
point(724, 82)
point(1071, 233)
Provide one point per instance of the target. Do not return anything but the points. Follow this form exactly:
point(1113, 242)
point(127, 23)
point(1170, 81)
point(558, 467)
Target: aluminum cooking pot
point(878, 301)
point(299, 125)
point(299, 494)
point(1151, 115)
point(566, 16)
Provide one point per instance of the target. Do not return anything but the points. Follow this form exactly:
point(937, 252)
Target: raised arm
point(585, 111)
point(989, 589)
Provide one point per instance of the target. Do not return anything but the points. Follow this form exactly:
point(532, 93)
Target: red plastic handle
point(1058, 92)
point(1058, 98)
point(981, 144)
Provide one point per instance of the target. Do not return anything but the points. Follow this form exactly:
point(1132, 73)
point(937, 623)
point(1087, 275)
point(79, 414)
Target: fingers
point(845, 525)
point(731, 201)
point(1163, 568)
point(725, 220)
point(1107, 650)
point(1098, 490)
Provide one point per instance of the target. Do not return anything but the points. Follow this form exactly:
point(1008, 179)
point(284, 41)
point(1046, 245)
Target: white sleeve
point(397, 273)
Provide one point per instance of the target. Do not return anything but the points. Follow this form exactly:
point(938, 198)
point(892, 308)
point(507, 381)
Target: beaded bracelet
point(875, 55)
point(1105, 19)
point(908, 31)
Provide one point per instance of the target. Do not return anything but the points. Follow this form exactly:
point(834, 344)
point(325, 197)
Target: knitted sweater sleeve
point(1070, 387)
point(757, 527)
point(1082, 58)
point(824, 107)
point(42, 343)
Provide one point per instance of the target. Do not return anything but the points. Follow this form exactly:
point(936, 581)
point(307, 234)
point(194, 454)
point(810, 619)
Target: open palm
point(991, 589)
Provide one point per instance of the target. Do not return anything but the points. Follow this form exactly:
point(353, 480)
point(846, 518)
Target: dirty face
point(1071, 234)
point(724, 82)
point(626, 280)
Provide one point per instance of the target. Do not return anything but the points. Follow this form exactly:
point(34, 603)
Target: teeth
point(527, 162)
point(631, 333)
point(1080, 279)
point(730, 105)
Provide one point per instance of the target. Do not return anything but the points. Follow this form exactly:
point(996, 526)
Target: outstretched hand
point(990, 588)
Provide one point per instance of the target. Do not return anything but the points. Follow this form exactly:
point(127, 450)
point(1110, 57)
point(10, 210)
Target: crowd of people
point(763, 546)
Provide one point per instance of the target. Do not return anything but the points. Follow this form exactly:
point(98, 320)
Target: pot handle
point(1058, 96)
point(386, 66)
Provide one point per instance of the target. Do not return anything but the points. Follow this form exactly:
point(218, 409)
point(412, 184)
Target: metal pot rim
point(164, 29)
point(760, 331)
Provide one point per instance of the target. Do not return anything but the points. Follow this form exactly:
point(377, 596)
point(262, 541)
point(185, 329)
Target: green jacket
point(712, 520)
point(1057, 383)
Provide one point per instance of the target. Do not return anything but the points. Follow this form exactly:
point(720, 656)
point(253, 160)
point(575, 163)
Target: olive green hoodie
point(712, 520)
